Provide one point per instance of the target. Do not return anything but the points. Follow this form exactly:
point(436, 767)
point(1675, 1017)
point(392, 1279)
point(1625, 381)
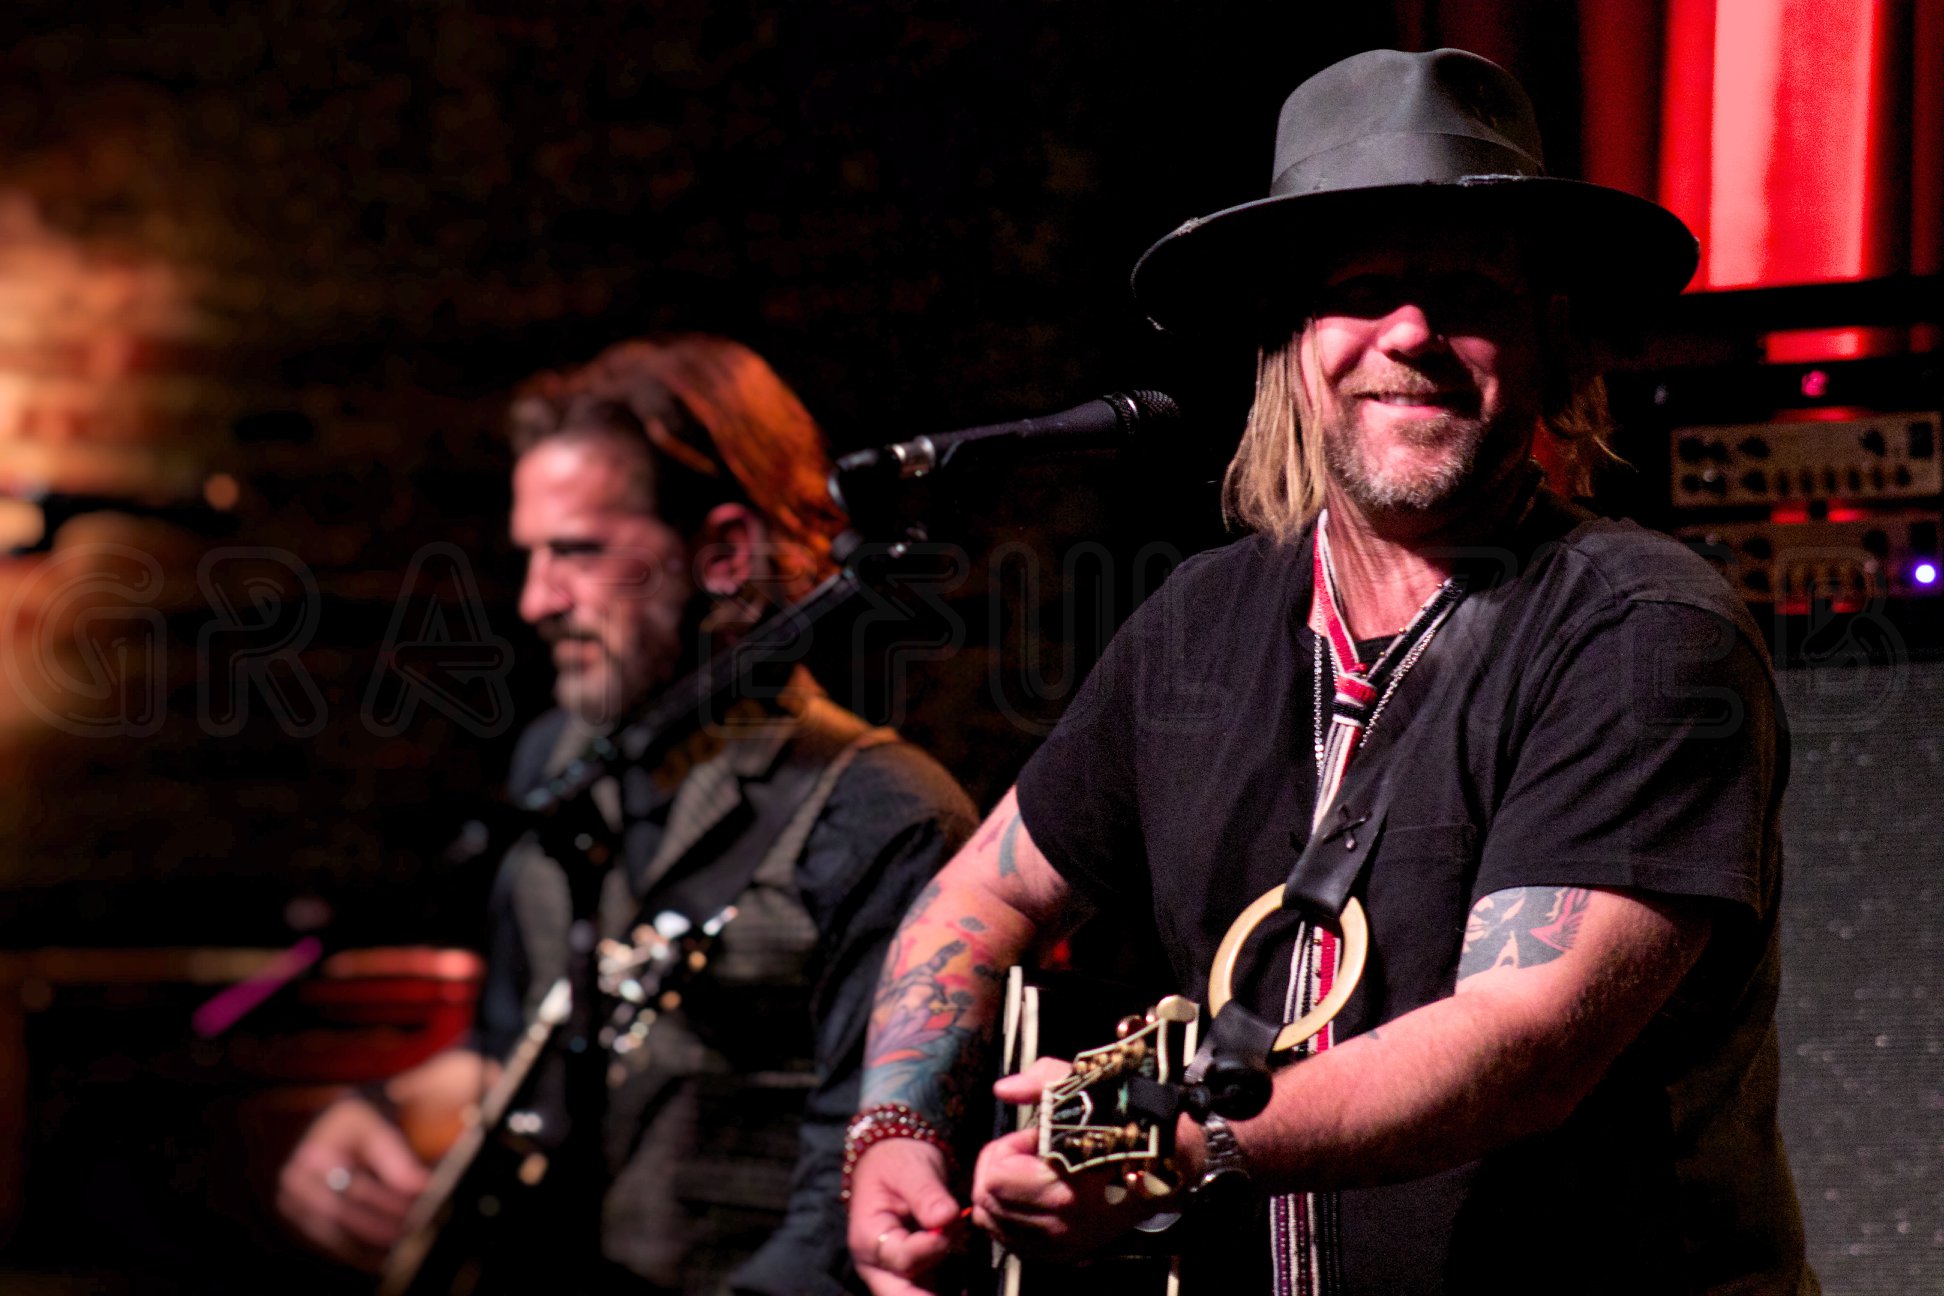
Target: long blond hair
point(1274, 484)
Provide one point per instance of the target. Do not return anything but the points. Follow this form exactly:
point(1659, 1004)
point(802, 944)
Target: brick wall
point(306, 247)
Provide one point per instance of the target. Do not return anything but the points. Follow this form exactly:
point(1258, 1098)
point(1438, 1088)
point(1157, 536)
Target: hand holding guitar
point(937, 1005)
point(1038, 1210)
point(348, 1186)
point(351, 1183)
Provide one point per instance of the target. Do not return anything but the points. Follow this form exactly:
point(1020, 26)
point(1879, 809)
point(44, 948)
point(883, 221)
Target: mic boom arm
point(1103, 421)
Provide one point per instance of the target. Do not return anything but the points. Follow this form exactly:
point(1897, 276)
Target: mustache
point(1408, 383)
point(1418, 377)
point(555, 630)
point(1413, 382)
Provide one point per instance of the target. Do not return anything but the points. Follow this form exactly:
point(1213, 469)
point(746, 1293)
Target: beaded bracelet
point(884, 1121)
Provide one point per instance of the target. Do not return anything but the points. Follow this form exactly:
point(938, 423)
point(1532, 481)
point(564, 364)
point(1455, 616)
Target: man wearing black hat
point(1505, 773)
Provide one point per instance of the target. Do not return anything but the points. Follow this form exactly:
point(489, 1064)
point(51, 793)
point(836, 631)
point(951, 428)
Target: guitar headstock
point(1118, 1106)
point(645, 975)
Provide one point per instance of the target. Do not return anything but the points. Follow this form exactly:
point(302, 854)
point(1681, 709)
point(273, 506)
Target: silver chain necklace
point(1376, 712)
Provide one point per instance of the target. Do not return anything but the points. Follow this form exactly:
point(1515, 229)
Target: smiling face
point(608, 584)
point(1423, 369)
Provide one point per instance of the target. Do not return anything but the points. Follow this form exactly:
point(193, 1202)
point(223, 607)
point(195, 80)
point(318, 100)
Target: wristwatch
point(1225, 1177)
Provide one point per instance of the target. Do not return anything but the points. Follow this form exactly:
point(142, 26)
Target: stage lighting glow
point(1925, 573)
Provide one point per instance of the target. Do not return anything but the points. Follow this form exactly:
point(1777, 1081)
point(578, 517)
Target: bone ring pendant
point(1355, 934)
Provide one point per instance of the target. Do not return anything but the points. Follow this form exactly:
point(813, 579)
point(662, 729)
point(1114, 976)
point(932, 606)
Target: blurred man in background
point(666, 495)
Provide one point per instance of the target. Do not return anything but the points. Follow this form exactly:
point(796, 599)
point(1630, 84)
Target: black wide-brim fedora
point(1435, 138)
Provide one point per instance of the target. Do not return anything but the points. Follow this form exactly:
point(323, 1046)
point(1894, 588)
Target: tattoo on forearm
point(1521, 927)
point(932, 1014)
point(1008, 861)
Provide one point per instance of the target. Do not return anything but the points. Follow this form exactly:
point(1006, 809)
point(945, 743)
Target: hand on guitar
point(902, 1216)
point(1034, 1208)
point(348, 1185)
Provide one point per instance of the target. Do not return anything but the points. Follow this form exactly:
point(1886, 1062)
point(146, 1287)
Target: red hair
point(714, 418)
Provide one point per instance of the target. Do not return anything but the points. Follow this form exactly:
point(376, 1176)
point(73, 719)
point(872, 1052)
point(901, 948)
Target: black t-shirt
point(1597, 713)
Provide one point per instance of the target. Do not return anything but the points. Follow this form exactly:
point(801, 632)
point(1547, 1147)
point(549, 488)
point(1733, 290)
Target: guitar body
point(497, 1206)
point(1083, 1123)
point(490, 1211)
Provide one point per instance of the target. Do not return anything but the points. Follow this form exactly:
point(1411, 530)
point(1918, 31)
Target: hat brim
point(1614, 253)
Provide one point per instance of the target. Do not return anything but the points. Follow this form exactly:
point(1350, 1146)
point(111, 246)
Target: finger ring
point(338, 1179)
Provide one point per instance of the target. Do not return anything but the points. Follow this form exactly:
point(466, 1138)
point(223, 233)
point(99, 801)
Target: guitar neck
point(422, 1223)
point(1089, 1120)
point(633, 980)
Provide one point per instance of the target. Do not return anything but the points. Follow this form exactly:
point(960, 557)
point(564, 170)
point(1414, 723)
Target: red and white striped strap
point(1360, 688)
point(1303, 1233)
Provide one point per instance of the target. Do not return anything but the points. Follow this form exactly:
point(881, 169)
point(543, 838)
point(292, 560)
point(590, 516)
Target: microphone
point(1099, 422)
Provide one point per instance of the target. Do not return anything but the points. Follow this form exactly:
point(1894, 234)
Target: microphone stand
point(785, 635)
point(562, 815)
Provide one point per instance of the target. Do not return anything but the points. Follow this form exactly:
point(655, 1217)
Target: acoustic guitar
point(499, 1162)
point(1120, 1104)
point(1117, 1108)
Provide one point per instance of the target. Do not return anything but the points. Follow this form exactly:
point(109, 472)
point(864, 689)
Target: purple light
point(1925, 573)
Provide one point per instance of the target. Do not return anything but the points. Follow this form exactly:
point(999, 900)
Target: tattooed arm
point(1523, 927)
point(1553, 983)
point(944, 977)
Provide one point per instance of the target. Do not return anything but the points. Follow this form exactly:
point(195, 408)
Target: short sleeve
point(1652, 760)
point(1077, 793)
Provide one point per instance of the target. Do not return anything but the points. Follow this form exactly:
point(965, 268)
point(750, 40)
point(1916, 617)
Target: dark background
point(311, 244)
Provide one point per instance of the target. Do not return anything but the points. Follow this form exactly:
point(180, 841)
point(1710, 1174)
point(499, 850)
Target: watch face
point(1159, 1222)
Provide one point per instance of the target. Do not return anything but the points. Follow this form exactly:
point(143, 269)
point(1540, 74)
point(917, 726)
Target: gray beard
point(1350, 467)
